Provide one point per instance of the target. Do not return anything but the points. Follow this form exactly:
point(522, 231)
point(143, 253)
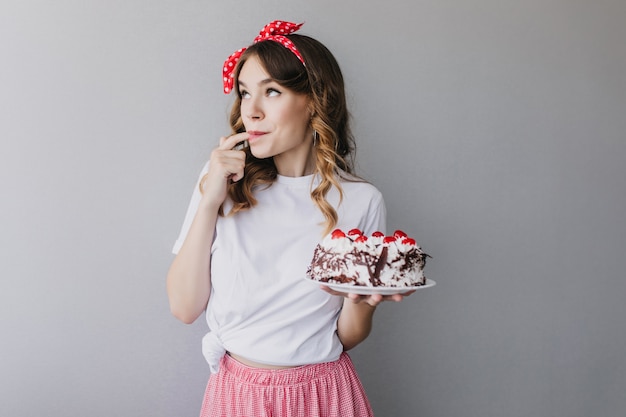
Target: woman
point(276, 344)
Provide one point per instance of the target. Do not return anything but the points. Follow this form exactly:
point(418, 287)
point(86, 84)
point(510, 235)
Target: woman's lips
point(254, 135)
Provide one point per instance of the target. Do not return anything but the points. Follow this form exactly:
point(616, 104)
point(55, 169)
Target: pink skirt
point(330, 389)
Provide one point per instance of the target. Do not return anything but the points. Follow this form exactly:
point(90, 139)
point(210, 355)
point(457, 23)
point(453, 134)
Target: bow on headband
point(274, 31)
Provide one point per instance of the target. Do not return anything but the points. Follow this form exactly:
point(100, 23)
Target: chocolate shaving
point(380, 264)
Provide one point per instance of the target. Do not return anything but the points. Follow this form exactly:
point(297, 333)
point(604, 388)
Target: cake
point(371, 261)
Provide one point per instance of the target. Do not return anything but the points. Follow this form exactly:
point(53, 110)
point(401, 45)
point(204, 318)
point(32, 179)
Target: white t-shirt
point(261, 307)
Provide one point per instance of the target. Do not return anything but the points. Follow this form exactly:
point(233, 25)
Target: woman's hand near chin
point(226, 165)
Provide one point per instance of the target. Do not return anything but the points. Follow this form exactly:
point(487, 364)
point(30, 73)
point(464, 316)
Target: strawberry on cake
point(371, 261)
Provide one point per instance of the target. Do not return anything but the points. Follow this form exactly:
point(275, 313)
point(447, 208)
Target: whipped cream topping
point(376, 260)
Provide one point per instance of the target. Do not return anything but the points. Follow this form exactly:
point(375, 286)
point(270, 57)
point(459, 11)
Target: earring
point(315, 136)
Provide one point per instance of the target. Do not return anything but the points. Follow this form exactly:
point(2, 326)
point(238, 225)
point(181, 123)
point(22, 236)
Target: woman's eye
point(244, 94)
point(272, 92)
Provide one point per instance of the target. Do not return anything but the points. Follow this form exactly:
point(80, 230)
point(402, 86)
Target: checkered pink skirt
point(329, 389)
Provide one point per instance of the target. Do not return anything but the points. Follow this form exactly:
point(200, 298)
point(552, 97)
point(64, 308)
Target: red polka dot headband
point(274, 31)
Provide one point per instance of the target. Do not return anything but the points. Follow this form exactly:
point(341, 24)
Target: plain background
point(494, 128)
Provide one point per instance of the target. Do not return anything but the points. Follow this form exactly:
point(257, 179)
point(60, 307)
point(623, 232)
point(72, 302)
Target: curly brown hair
point(320, 79)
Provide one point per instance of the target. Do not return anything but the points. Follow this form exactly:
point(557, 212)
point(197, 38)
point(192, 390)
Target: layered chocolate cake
point(372, 261)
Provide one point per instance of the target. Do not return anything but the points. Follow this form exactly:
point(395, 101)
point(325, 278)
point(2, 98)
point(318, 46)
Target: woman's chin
point(258, 154)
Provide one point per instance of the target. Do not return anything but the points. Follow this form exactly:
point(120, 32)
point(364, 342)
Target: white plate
point(357, 289)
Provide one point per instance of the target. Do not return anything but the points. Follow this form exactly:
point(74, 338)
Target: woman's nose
point(254, 110)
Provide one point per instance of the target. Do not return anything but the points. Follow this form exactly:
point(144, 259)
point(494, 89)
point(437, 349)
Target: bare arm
point(357, 314)
point(188, 279)
point(354, 323)
point(189, 276)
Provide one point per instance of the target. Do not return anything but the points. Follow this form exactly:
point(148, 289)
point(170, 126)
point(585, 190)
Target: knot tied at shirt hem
point(213, 350)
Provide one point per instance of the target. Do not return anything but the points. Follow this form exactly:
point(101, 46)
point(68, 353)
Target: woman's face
point(276, 119)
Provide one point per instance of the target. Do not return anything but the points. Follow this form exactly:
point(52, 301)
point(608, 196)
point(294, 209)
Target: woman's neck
point(296, 167)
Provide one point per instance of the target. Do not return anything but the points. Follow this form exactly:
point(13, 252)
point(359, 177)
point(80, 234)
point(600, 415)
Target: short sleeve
point(191, 211)
point(376, 218)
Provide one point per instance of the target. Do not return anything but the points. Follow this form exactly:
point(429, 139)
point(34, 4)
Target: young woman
point(276, 344)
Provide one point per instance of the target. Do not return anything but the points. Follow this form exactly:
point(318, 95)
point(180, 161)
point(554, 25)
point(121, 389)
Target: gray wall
point(495, 129)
